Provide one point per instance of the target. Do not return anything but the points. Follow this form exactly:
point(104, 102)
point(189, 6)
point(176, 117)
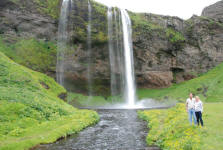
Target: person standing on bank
point(199, 110)
point(190, 106)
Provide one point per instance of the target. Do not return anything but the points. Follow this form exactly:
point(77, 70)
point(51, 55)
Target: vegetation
point(99, 8)
point(99, 24)
point(174, 36)
point(30, 110)
point(170, 128)
point(141, 25)
point(32, 53)
point(212, 24)
point(208, 86)
point(49, 7)
point(86, 101)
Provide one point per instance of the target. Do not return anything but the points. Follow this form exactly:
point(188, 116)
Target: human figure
point(198, 110)
point(190, 107)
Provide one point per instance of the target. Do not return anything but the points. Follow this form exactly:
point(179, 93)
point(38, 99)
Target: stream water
point(117, 130)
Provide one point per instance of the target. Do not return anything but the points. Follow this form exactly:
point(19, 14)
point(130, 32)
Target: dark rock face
point(214, 11)
point(166, 49)
point(22, 20)
point(154, 79)
point(201, 50)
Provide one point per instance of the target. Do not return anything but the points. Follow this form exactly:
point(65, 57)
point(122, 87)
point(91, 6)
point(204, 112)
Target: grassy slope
point(35, 54)
point(208, 86)
point(30, 113)
point(214, 124)
point(170, 128)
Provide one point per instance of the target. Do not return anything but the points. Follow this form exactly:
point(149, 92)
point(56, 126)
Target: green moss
point(142, 26)
point(174, 36)
point(99, 8)
point(14, 1)
point(100, 38)
point(49, 7)
point(208, 86)
point(30, 113)
point(212, 24)
point(32, 53)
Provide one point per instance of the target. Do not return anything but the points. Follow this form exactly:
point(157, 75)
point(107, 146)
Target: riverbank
point(117, 129)
point(170, 129)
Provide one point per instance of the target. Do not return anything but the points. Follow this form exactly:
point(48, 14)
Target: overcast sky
point(181, 8)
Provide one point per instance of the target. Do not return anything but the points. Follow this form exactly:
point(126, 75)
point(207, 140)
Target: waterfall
point(121, 55)
point(114, 84)
point(62, 41)
point(130, 89)
point(89, 42)
point(119, 50)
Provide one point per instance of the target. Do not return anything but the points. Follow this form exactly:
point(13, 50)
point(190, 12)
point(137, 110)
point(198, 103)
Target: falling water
point(114, 88)
point(62, 41)
point(130, 91)
point(89, 68)
point(119, 50)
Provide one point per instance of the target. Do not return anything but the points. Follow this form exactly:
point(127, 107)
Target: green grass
point(214, 125)
point(170, 128)
point(208, 86)
point(93, 101)
point(30, 110)
point(82, 100)
point(35, 54)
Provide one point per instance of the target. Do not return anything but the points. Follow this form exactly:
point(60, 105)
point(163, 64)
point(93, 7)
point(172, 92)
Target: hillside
point(31, 111)
point(208, 86)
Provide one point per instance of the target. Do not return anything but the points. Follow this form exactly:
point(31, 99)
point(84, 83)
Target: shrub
point(174, 36)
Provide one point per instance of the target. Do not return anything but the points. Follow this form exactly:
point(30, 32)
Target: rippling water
point(117, 129)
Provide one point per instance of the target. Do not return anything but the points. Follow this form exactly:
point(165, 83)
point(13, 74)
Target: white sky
point(181, 8)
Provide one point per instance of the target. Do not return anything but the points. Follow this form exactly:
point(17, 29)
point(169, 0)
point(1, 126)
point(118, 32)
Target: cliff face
point(23, 19)
point(166, 49)
point(214, 11)
point(176, 49)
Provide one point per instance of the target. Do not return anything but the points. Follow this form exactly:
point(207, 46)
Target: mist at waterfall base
point(120, 47)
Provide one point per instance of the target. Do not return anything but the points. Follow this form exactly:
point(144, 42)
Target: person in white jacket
point(198, 110)
point(190, 107)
